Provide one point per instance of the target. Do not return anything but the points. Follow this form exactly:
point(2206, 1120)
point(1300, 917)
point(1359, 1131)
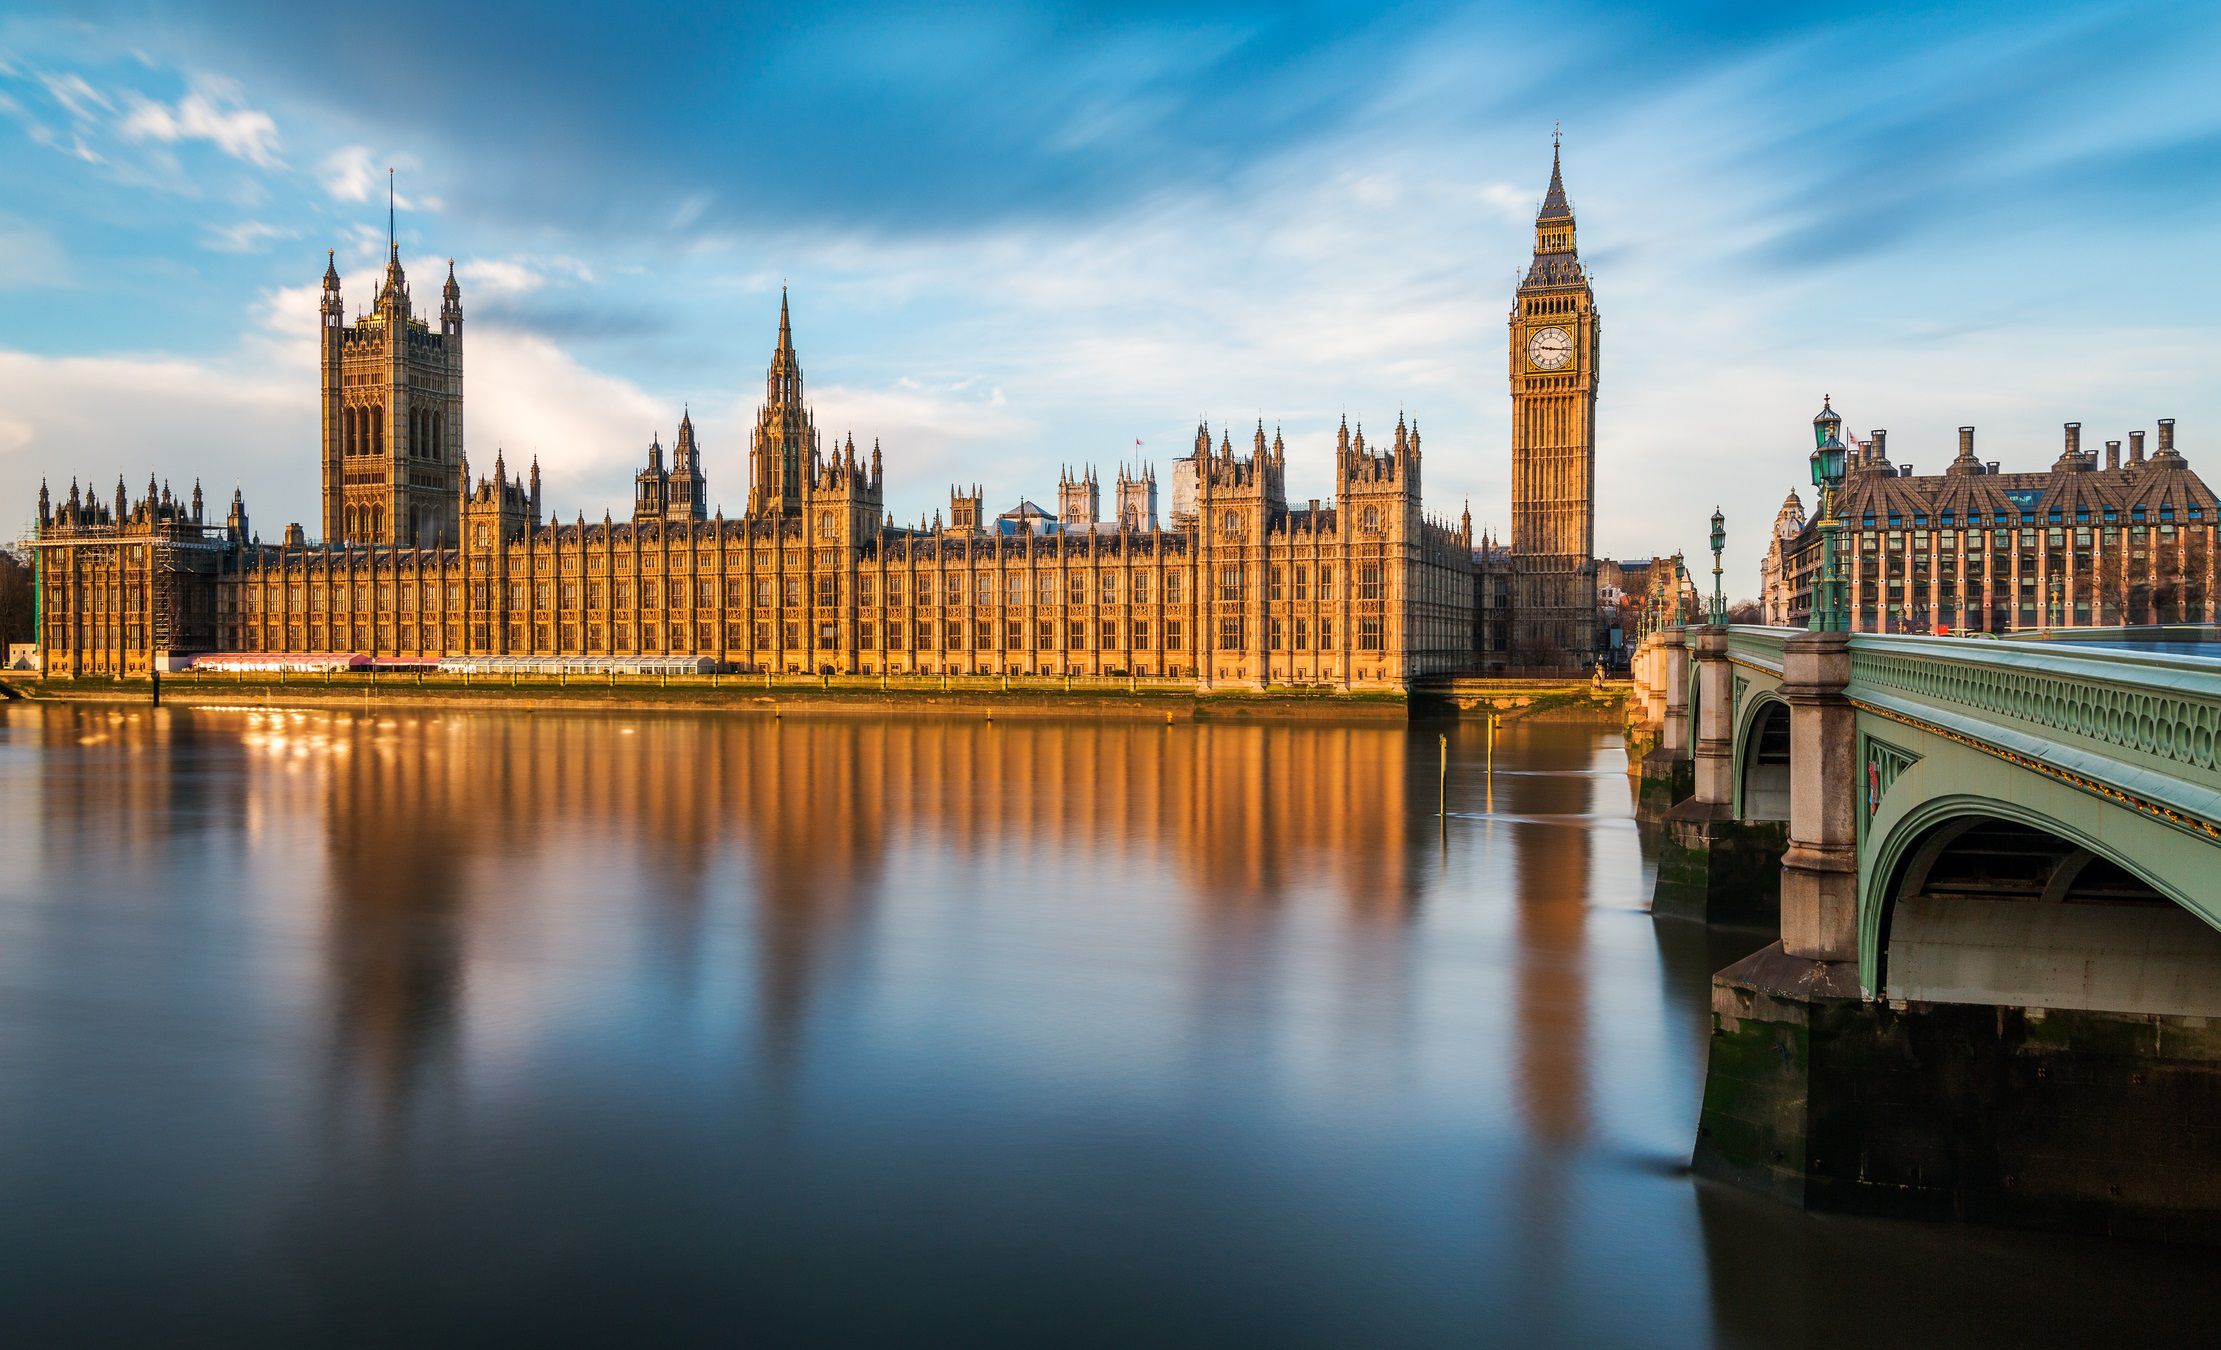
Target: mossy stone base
point(2095, 1122)
point(1717, 870)
point(1666, 779)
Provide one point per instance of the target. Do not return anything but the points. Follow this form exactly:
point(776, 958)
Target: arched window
point(1232, 523)
point(1370, 518)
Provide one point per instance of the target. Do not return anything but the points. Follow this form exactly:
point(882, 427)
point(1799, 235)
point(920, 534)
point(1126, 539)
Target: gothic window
point(1175, 587)
point(1110, 588)
point(1075, 635)
point(1326, 589)
point(1231, 523)
point(1368, 582)
point(1141, 634)
point(1077, 591)
point(1109, 636)
point(1229, 635)
point(1141, 588)
point(1369, 519)
point(1302, 580)
point(1174, 637)
point(1045, 634)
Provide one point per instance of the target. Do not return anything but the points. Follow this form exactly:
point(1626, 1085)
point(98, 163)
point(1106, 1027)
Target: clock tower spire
point(1554, 351)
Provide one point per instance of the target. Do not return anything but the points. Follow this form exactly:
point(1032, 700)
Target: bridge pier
point(1667, 773)
point(2020, 1024)
point(1713, 867)
point(1782, 1015)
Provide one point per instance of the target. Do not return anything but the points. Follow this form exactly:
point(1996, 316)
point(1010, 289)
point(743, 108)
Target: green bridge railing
point(2144, 724)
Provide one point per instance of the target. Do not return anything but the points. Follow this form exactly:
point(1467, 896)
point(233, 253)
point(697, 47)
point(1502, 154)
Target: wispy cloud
point(213, 110)
point(250, 236)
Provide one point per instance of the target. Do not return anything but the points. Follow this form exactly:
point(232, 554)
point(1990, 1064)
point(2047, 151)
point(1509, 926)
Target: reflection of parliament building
point(1237, 587)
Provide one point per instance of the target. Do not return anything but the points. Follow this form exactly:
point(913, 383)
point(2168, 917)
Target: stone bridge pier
point(1714, 866)
point(1666, 773)
point(1996, 990)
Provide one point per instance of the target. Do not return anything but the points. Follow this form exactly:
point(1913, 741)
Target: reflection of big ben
point(1553, 380)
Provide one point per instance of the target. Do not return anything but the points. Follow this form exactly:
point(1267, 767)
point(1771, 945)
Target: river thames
point(410, 1027)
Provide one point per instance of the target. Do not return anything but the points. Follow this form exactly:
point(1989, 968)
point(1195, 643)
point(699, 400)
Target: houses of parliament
point(1226, 583)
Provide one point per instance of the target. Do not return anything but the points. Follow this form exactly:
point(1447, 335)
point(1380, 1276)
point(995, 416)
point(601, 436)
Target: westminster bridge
point(1995, 869)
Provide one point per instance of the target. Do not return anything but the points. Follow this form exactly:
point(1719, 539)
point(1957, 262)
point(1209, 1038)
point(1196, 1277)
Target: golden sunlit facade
point(1240, 590)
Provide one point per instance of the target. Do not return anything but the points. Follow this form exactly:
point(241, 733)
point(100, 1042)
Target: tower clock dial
point(1549, 348)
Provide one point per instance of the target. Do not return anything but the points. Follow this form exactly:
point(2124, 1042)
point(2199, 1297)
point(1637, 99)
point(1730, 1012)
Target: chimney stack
point(1878, 453)
point(2074, 438)
point(2112, 454)
point(1966, 443)
point(2136, 447)
point(2167, 435)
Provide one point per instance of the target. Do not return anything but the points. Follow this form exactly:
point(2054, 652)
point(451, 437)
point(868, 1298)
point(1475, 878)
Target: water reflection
point(409, 1026)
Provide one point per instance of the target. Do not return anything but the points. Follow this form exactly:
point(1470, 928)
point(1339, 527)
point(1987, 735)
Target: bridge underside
point(1996, 912)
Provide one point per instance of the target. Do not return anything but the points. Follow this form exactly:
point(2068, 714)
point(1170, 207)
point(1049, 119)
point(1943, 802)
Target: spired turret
point(392, 392)
point(784, 442)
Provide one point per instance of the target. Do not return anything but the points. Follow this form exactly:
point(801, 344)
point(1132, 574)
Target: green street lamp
point(1829, 611)
point(1719, 545)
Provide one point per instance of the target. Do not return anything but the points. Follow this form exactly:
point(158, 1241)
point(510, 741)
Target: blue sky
point(1020, 237)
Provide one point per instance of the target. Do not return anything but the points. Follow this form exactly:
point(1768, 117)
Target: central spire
point(1557, 257)
point(783, 384)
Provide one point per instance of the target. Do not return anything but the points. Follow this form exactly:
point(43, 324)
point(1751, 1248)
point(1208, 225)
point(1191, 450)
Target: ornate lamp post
point(1829, 611)
point(1719, 545)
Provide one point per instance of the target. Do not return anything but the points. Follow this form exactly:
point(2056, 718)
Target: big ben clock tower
point(1553, 383)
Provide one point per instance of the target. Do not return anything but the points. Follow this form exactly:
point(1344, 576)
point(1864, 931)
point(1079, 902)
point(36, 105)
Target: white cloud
point(249, 236)
point(98, 416)
point(348, 174)
point(79, 99)
point(351, 174)
point(213, 111)
point(528, 396)
point(497, 278)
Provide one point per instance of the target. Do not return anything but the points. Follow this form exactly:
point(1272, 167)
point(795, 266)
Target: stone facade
point(392, 396)
point(1553, 366)
point(2083, 544)
point(1364, 593)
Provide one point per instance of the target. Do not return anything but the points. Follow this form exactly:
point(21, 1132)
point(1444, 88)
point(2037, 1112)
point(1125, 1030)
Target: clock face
point(1549, 348)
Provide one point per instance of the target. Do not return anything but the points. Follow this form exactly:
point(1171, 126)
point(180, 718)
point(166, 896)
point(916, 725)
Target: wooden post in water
point(1442, 781)
point(1491, 803)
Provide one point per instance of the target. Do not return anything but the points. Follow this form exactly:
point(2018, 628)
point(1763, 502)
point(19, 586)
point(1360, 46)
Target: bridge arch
point(1762, 759)
point(1978, 900)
